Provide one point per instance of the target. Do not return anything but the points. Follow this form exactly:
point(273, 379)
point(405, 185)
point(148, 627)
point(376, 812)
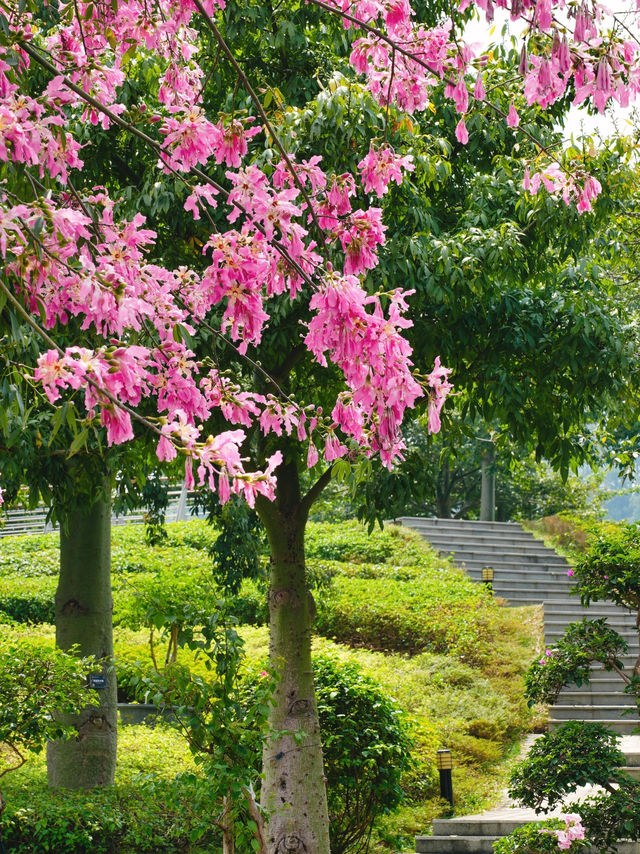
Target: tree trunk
point(84, 615)
point(488, 490)
point(443, 492)
point(294, 785)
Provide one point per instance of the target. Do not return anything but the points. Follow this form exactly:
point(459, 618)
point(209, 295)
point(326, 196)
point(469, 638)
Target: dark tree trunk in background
point(488, 492)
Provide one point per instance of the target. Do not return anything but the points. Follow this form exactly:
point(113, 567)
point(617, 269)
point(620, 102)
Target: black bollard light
point(444, 761)
point(487, 577)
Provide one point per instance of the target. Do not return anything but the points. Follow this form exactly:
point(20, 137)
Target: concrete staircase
point(526, 572)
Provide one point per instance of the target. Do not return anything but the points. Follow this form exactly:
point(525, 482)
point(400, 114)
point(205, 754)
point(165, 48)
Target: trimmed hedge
point(349, 541)
point(158, 805)
point(28, 599)
point(407, 610)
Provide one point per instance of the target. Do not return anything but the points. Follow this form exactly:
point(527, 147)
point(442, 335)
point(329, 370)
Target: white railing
point(19, 521)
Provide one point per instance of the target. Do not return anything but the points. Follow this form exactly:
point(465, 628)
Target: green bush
point(159, 805)
point(349, 541)
point(575, 754)
point(28, 599)
point(569, 660)
point(543, 837)
point(366, 748)
point(610, 567)
point(30, 555)
point(436, 611)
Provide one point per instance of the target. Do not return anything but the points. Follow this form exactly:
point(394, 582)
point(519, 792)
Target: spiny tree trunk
point(294, 785)
point(84, 614)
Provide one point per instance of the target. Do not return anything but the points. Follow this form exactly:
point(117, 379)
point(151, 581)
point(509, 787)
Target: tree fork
point(84, 620)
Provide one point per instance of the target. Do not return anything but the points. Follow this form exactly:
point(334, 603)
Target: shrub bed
point(158, 805)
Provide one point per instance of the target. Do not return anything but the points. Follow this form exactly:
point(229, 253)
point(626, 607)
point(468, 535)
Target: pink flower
point(570, 572)
point(513, 119)
point(462, 134)
point(381, 166)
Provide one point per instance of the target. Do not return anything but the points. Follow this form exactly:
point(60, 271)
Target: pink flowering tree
point(286, 239)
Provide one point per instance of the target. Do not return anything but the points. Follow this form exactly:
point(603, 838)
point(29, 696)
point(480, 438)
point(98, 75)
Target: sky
point(579, 122)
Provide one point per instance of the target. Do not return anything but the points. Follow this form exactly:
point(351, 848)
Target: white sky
point(579, 122)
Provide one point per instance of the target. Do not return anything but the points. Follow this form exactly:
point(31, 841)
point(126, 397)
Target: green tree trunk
point(294, 785)
point(84, 617)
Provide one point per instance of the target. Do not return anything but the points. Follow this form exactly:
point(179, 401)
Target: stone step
point(459, 546)
point(459, 524)
point(632, 771)
point(571, 606)
point(625, 726)
point(484, 845)
point(600, 684)
point(519, 538)
point(484, 825)
point(553, 635)
point(524, 575)
point(584, 697)
point(614, 621)
point(507, 567)
point(455, 844)
point(552, 587)
point(501, 556)
point(593, 713)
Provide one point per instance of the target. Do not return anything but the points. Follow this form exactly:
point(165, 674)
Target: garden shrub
point(436, 612)
point(159, 805)
point(366, 749)
point(569, 660)
point(609, 569)
point(28, 599)
point(349, 541)
point(575, 754)
point(551, 836)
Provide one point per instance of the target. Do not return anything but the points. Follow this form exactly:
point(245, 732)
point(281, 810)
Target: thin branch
point(21, 759)
point(314, 492)
point(254, 97)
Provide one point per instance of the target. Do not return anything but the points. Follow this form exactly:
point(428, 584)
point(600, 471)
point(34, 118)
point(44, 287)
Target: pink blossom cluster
point(32, 130)
point(574, 187)
point(402, 69)
point(351, 328)
point(548, 653)
point(76, 257)
point(572, 832)
point(115, 376)
point(381, 166)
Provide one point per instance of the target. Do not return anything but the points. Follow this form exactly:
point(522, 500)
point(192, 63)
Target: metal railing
point(21, 521)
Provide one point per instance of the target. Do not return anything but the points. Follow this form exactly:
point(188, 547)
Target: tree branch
point(315, 491)
point(249, 88)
